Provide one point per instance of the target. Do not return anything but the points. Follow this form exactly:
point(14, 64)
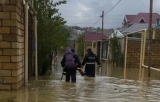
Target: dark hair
point(73, 50)
point(89, 50)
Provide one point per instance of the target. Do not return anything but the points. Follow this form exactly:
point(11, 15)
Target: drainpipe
point(35, 31)
point(26, 43)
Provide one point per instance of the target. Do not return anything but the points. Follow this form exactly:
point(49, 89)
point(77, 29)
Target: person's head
point(73, 50)
point(89, 51)
point(68, 49)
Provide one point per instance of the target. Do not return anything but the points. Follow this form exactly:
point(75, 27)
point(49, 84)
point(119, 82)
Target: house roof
point(136, 27)
point(94, 36)
point(106, 32)
point(117, 34)
point(132, 19)
point(129, 18)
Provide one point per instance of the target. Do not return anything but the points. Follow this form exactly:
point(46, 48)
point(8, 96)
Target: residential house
point(93, 40)
point(132, 27)
point(137, 22)
point(142, 18)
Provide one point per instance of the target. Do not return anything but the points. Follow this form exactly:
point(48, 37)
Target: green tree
point(50, 30)
point(80, 43)
point(117, 56)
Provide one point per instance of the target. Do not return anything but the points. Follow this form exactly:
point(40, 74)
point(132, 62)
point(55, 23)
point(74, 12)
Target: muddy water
point(108, 86)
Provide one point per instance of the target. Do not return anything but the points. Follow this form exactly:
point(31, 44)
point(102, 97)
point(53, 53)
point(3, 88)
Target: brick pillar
point(11, 44)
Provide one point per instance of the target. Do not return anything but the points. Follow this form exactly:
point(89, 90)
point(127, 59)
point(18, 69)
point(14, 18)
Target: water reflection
point(108, 86)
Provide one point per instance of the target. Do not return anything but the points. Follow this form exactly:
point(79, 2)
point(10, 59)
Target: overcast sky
point(75, 12)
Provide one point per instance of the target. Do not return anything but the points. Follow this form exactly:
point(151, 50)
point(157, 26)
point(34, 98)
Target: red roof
point(129, 18)
point(132, 19)
point(94, 36)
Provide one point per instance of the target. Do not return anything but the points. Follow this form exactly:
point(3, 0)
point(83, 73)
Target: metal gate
point(30, 50)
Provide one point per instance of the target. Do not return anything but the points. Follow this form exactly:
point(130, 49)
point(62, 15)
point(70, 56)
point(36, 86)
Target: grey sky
point(77, 11)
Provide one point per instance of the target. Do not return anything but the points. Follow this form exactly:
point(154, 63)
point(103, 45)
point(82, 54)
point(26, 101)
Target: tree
point(117, 56)
point(50, 31)
point(80, 43)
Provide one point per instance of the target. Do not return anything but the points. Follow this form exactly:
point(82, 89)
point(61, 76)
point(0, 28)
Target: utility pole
point(102, 22)
point(150, 38)
point(102, 33)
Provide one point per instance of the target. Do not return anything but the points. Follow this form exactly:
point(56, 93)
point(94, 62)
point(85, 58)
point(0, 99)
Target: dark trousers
point(90, 70)
point(71, 74)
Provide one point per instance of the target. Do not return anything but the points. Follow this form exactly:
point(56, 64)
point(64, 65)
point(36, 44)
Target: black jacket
point(90, 58)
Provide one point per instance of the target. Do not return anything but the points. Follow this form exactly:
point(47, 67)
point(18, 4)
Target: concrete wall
point(11, 44)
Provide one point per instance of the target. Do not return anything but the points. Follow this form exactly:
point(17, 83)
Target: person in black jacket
point(79, 69)
point(70, 71)
point(90, 59)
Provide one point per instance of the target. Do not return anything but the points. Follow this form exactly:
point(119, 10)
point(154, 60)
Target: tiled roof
point(94, 36)
point(131, 19)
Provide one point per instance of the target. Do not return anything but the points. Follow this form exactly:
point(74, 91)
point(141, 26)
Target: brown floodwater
point(110, 85)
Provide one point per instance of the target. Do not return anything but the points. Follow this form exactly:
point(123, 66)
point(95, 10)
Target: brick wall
point(11, 44)
point(155, 54)
point(133, 54)
point(157, 34)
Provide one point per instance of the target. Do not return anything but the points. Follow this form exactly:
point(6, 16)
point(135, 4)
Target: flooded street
point(109, 86)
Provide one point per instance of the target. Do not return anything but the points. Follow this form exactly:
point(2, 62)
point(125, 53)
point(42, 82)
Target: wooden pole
point(125, 61)
point(102, 34)
point(150, 38)
point(141, 54)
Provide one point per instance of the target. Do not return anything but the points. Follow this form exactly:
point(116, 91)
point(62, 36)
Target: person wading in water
point(69, 63)
point(90, 59)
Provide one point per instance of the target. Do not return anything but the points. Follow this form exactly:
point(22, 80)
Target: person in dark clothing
point(79, 69)
point(90, 59)
point(70, 71)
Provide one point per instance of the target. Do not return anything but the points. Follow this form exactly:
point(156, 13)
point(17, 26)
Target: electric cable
point(96, 22)
point(113, 7)
point(88, 20)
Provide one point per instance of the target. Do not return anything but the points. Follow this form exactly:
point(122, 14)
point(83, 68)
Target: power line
point(76, 12)
point(113, 7)
point(87, 20)
point(96, 22)
point(90, 15)
point(97, 16)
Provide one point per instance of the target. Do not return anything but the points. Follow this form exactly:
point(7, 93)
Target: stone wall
point(11, 44)
point(133, 54)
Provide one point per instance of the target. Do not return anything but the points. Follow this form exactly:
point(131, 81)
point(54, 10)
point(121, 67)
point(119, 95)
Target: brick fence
point(133, 54)
point(11, 44)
